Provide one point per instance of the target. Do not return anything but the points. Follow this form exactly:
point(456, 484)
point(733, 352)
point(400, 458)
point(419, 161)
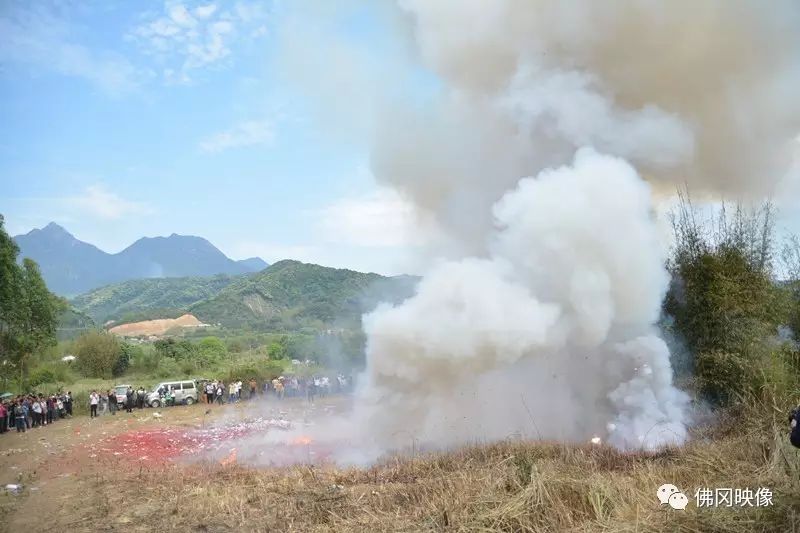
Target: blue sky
point(245, 122)
point(130, 119)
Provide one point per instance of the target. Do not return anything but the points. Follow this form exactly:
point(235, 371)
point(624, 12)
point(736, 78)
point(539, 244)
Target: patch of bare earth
point(155, 327)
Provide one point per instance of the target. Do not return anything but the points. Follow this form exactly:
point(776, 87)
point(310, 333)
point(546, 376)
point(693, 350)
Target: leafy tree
point(28, 311)
point(279, 348)
point(166, 347)
point(723, 299)
point(235, 346)
point(42, 309)
point(11, 297)
point(97, 353)
point(168, 368)
point(175, 349)
point(127, 353)
point(41, 375)
point(212, 347)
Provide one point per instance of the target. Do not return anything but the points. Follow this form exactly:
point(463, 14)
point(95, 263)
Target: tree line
point(29, 312)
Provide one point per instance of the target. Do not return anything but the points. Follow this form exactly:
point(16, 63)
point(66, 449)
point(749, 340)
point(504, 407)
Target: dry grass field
point(508, 486)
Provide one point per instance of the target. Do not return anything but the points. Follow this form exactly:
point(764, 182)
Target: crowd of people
point(281, 387)
point(100, 402)
point(30, 411)
point(34, 411)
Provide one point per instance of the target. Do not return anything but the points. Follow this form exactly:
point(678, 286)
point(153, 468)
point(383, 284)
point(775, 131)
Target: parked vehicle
point(184, 391)
point(121, 392)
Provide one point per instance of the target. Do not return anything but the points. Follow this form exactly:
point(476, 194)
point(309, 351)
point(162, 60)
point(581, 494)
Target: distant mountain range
point(286, 296)
point(72, 267)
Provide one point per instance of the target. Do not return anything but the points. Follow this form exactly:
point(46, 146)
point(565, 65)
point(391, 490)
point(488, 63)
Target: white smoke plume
point(702, 94)
point(550, 336)
point(537, 319)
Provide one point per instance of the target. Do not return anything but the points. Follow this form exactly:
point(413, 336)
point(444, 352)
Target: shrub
point(97, 354)
point(261, 370)
point(721, 375)
point(212, 349)
point(41, 375)
point(126, 354)
point(187, 367)
point(167, 368)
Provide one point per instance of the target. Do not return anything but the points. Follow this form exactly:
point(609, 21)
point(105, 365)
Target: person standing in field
point(220, 392)
point(311, 390)
point(19, 416)
point(112, 402)
point(26, 408)
point(94, 399)
point(37, 413)
point(253, 387)
point(43, 406)
point(50, 408)
point(129, 400)
point(140, 397)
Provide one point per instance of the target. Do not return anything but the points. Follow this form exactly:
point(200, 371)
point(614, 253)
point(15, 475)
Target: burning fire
point(230, 459)
point(302, 441)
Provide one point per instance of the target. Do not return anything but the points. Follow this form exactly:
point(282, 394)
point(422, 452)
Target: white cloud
point(186, 40)
point(243, 134)
point(40, 37)
point(204, 12)
point(379, 219)
point(96, 200)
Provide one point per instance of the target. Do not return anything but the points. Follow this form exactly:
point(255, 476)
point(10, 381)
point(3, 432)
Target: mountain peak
point(53, 226)
point(254, 264)
point(71, 266)
point(52, 229)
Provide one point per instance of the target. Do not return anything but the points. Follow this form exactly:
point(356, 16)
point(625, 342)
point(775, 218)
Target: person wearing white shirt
point(37, 413)
point(94, 399)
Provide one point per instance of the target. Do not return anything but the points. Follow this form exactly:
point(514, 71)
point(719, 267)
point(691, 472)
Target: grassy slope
point(149, 298)
point(290, 295)
point(287, 296)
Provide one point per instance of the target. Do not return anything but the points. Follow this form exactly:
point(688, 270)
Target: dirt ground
point(60, 466)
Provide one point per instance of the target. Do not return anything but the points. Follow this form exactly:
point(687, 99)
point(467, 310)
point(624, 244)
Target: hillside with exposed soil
point(155, 327)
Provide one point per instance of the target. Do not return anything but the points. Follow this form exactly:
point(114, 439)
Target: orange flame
point(230, 459)
point(302, 440)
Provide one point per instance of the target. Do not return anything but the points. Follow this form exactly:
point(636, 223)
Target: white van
point(185, 391)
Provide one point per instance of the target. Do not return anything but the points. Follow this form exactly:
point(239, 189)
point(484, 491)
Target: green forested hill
point(287, 296)
point(143, 299)
point(290, 295)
